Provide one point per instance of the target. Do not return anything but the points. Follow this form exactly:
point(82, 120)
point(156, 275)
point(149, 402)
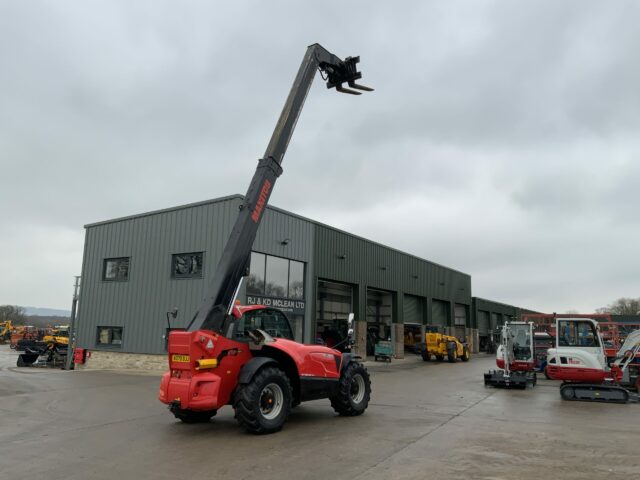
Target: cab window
point(577, 334)
point(271, 321)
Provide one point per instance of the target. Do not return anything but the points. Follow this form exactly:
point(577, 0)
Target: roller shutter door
point(495, 320)
point(439, 313)
point(460, 320)
point(412, 309)
point(483, 322)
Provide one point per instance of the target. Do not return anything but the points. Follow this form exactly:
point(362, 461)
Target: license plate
point(180, 358)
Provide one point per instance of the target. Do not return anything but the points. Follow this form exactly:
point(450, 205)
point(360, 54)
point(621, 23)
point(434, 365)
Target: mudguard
point(348, 358)
point(250, 368)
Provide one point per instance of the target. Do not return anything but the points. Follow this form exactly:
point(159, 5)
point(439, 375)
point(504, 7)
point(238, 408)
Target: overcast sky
point(502, 138)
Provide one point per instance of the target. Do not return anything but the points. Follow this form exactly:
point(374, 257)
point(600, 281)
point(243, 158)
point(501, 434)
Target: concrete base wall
point(474, 339)
point(398, 337)
point(100, 360)
point(360, 348)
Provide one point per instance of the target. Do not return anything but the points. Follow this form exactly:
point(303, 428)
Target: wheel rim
point(271, 401)
point(357, 388)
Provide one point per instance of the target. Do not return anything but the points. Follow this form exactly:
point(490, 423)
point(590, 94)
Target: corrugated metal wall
point(488, 314)
point(150, 239)
point(140, 303)
point(350, 259)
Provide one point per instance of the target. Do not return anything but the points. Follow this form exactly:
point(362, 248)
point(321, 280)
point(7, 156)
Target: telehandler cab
point(245, 356)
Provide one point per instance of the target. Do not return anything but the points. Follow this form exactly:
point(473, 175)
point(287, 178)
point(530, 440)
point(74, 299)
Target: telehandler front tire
point(465, 355)
point(354, 391)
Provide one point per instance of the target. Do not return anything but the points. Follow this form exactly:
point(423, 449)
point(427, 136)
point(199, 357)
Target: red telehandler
point(245, 356)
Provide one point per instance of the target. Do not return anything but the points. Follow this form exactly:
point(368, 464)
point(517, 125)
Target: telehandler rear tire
point(263, 405)
point(451, 356)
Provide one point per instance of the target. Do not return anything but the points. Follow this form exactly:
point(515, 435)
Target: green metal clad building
point(488, 315)
point(137, 268)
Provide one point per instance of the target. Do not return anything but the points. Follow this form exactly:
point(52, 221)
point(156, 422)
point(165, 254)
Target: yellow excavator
point(59, 334)
point(6, 328)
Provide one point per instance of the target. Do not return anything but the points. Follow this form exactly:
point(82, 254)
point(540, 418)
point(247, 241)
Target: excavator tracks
point(585, 392)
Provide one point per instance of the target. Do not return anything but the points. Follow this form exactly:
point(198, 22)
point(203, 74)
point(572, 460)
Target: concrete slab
point(426, 420)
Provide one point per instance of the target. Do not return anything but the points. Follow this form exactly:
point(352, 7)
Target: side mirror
point(351, 338)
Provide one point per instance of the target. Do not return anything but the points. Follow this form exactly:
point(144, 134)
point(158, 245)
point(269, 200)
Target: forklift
point(245, 356)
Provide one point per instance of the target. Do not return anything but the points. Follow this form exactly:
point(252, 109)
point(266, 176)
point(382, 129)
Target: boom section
point(234, 263)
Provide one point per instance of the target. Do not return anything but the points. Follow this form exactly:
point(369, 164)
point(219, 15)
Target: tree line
point(622, 306)
point(14, 313)
point(18, 316)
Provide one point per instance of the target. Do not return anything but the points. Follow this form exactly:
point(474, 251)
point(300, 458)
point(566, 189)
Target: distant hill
point(46, 312)
point(42, 321)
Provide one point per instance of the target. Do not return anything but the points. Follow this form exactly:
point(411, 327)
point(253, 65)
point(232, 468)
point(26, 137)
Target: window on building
point(275, 277)
point(255, 282)
point(116, 269)
point(109, 336)
point(187, 265)
point(296, 279)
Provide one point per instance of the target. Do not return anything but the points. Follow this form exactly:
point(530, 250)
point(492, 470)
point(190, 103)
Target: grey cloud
point(500, 140)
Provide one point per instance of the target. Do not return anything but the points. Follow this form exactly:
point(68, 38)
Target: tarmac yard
point(425, 420)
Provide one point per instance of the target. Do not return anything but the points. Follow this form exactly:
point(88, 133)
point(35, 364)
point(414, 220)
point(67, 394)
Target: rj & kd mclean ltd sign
point(285, 304)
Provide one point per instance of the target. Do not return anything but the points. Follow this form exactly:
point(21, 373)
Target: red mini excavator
point(515, 357)
point(579, 360)
point(245, 356)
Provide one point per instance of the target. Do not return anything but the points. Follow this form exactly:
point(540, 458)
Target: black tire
point(426, 356)
point(191, 416)
point(439, 358)
point(465, 355)
point(263, 405)
point(354, 391)
point(451, 356)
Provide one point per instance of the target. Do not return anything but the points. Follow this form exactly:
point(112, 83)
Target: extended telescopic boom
point(234, 263)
